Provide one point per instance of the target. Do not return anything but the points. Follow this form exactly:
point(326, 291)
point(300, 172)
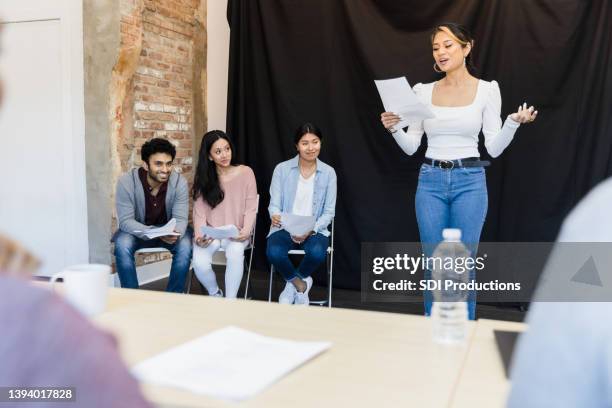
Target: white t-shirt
point(453, 133)
point(302, 203)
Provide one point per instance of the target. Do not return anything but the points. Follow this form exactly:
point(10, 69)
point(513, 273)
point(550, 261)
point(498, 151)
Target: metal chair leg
point(248, 280)
point(330, 284)
point(270, 288)
point(189, 278)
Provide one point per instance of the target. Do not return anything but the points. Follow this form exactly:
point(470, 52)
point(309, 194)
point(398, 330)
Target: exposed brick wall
point(162, 87)
point(157, 81)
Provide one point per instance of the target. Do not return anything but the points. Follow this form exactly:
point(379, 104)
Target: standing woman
point(224, 194)
point(305, 186)
point(452, 189)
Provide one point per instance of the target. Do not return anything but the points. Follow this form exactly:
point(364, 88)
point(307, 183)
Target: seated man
point(148, 197)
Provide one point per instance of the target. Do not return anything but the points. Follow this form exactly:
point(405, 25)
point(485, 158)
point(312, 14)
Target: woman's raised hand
point(389, 119)
point(524, 115)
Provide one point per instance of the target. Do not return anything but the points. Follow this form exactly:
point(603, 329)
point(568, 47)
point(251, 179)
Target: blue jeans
point(454, 198)
point(279, 244)
point(127, 244)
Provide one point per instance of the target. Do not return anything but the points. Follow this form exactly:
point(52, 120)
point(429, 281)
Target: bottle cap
point(451, 234)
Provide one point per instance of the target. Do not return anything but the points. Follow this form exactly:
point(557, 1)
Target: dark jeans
point(127, 244)
point(279, 244)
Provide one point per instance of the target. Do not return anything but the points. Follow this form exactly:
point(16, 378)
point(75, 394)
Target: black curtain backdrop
point(315, 60)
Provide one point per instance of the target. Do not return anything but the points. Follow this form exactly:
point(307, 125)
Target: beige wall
point(217, 63)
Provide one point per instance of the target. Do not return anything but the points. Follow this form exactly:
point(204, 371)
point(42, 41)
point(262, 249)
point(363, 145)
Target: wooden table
point(376, 359)
point(482, 381)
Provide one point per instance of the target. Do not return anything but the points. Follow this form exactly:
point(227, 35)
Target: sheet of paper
point(397, 96)
point(297, 225)
point(224, 232)
point(230, 363)
point(162, 231)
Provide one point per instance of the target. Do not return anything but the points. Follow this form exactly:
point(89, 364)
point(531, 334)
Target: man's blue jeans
point(454, 198)
point(279, 244)
point(127, 244)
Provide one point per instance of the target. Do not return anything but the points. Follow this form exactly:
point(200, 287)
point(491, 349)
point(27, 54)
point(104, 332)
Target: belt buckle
point(446, 164)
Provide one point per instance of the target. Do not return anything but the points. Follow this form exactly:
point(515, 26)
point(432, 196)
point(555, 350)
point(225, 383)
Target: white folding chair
point(330, 270)
point(247, 264)
point(155, 250)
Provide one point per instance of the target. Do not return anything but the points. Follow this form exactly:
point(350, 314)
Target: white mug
point(85, 287)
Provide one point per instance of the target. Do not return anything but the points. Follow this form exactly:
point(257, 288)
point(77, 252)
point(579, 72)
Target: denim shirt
point(284, 186)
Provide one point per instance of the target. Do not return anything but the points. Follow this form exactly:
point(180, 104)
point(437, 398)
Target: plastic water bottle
point(449, 311)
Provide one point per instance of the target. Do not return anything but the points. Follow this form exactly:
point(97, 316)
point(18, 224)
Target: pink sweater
point(239, 206)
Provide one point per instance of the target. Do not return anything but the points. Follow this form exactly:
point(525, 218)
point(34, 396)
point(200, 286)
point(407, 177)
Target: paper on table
point(230, 363)
point(397, 96)
point(162, 231)
point(224, 232)
point(297, 225)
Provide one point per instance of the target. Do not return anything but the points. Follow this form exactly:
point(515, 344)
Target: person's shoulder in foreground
point(591, 219)
point(565, 357)
point(47, 343)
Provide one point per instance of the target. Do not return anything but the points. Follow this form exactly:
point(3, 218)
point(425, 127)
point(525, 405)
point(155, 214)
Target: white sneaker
point(218, 293)
point(302, 298)
point(287, 296)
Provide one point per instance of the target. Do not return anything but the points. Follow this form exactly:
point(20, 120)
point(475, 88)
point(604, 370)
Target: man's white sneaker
point(302, 298)
point(218, 293)
point(287, 296)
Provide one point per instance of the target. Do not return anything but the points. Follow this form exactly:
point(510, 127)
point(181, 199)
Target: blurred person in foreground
point(564, 359)
point(44, 342)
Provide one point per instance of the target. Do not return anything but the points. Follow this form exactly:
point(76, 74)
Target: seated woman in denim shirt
point(306, 186)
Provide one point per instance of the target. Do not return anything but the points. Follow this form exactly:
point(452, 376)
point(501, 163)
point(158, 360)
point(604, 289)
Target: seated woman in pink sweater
point(224, 194)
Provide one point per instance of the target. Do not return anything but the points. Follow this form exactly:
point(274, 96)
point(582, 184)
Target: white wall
point(217, 63)
point(43, 202)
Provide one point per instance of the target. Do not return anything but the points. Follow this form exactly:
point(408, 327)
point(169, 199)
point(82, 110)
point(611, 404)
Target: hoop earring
point(438, 70)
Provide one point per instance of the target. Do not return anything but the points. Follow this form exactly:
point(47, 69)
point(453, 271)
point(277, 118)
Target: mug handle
point(54, 279)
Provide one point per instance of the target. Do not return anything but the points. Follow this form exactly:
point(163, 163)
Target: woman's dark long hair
point(462, 36)
point(206, 180)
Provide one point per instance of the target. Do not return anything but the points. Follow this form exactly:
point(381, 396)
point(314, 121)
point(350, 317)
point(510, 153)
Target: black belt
point(449, 164)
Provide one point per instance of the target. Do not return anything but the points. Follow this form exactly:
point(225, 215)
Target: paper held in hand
point(224, 232)
point(297, 225)
point(162, 231)
point(398, 97)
